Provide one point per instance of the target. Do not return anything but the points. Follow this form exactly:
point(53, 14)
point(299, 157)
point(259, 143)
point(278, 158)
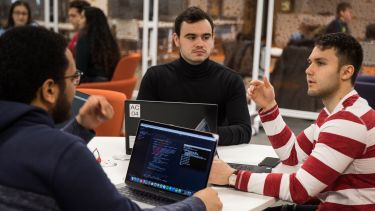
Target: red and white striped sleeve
point(291, 150)
point(342, 138)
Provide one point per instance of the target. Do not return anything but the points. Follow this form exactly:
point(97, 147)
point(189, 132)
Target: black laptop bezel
point(167, 194)
point(128, 149)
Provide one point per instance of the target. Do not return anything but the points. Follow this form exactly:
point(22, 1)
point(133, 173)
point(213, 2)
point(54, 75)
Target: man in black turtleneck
point(196, 79)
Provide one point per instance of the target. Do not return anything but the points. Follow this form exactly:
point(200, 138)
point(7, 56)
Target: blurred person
point(344, 14)
point(306, 31)
point(97, 52)
point(335, 155)
point(45, 167)
point(19, 15)
point(75, 18)
point(194, 78)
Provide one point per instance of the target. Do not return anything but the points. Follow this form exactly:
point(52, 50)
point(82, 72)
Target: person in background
point(195, 78)
point(75, 18)
point(307, 31)
point(336, 153)
point(47, 168)
point(344, 14)
point(19, 15)
point(97, 52)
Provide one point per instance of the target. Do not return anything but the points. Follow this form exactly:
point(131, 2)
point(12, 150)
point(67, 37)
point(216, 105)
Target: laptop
point(79, 99)
point(198, 116)
point(168, 163)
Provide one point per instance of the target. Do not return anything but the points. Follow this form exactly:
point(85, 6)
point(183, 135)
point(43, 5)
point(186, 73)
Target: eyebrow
point(192, 34)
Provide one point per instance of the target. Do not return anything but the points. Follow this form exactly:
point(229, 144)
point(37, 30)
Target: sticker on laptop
point(135, 110)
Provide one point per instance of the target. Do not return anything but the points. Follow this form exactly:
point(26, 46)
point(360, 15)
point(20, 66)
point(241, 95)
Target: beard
point(62, 111)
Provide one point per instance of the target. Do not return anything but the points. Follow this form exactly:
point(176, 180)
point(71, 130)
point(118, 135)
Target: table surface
point(231, 199)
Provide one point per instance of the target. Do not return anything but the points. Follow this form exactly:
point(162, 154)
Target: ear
point(176, 39)
point(49, 92)
point(347, 72)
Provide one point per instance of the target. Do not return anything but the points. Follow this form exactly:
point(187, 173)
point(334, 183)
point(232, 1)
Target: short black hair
point(10, 22)
point(30, 55)
point(79, 5)
point(191, 15)
point(348, 50)
point(342, 7)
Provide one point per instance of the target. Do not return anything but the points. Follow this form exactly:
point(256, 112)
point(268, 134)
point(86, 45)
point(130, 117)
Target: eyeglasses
point(76, 77)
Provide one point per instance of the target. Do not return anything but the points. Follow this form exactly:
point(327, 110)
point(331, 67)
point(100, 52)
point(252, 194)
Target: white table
point(232, 199)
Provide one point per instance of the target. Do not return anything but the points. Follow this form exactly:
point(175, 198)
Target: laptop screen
point(171, 159)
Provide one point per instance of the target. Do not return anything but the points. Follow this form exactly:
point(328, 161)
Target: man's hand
point(94, 112)
point(220, 172)
point(210, 199)
point(262, 93)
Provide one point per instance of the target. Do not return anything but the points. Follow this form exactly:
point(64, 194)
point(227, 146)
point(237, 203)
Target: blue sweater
point(36, 157)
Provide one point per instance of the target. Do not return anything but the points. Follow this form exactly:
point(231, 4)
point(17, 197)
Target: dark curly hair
point(348, 50)
point(191, 15)
point(103, 47)
point(10, 22)
point(28, 57)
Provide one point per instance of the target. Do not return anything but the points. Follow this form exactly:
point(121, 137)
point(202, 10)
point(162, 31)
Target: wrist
point(269, 106)
point(232, 178)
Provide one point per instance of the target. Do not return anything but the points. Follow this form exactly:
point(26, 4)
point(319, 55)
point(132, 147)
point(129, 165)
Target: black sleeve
point(148, 88)
point(333, 27)
point(76, 129)
point(79, 183)
point(237, 114)
point(82, 55)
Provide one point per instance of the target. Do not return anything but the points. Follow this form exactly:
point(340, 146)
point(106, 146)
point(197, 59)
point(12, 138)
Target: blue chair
point(365, 86)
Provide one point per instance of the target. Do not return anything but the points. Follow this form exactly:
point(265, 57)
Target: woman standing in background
point(97, 52)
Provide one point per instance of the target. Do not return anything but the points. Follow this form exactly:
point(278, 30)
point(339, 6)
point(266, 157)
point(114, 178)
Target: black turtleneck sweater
point(208, 82)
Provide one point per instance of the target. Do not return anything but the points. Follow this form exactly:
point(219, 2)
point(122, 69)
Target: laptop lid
point(189, 115)
point(170, 161)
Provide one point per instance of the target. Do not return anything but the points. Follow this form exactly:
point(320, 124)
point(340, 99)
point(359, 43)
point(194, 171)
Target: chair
point(114, 126)
point(125, 86)
point(365, 86)
point(126, 67)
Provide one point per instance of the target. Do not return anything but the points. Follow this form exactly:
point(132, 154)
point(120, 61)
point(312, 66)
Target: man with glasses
point(38, 79)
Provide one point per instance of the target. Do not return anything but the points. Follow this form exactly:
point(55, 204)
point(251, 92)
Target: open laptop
point(168, 163)
point(198, 116)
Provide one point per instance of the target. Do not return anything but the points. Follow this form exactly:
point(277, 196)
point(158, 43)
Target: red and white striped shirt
point(337, 154)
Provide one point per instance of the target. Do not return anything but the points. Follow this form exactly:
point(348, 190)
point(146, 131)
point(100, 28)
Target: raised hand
point(94, 112)
point(262, 93)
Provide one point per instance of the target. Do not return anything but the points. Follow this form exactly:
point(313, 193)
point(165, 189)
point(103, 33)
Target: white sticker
point(135, 110)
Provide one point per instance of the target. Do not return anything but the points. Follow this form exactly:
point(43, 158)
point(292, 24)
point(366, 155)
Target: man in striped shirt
point(336, 153)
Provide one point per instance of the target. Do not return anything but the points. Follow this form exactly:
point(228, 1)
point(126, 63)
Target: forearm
point(234, 134)
point(281, 137)
point(73, 127)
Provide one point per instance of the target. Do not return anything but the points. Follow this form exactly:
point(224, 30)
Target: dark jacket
point(36, 157)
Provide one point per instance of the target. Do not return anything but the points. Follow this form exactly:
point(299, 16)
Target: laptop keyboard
point(144, 197)
point(252, 168)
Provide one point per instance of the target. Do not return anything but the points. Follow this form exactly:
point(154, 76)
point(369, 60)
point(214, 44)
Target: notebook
point(190, 115)
point(168, 162)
